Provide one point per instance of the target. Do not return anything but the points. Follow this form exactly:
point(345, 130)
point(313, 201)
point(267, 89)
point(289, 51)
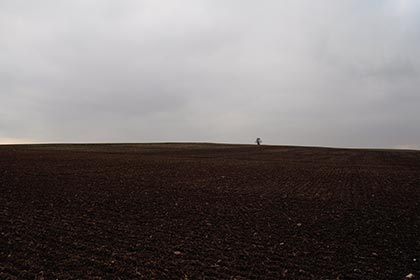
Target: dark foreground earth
point(205, 211)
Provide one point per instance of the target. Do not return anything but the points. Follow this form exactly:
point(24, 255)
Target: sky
point(293, 72)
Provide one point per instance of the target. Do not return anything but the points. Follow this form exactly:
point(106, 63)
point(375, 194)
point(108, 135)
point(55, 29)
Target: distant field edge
point(192, 144)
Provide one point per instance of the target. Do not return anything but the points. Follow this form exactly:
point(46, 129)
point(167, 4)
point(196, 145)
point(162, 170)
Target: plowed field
point(205, 211)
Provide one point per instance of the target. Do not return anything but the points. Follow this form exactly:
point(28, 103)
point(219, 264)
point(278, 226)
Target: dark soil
point(203, 211)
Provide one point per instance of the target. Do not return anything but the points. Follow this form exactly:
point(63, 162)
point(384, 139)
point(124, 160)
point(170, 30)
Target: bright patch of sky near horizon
point(301, 72)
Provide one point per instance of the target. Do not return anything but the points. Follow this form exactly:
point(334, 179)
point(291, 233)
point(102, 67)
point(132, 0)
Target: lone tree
point(258, 141)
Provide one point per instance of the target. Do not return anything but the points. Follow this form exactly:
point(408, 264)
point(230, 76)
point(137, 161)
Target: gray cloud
point(332, 73)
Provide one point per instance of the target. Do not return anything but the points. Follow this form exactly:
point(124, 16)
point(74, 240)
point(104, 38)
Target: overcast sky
point(300, 72)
